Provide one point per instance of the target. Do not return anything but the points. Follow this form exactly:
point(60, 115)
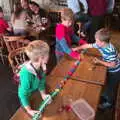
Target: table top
point(87, 71)
point(36, 33)
point(72, 89)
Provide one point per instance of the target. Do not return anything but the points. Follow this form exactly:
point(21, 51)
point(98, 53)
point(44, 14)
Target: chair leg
point(2, 58)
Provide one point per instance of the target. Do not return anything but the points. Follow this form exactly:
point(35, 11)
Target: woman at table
point(39, 17)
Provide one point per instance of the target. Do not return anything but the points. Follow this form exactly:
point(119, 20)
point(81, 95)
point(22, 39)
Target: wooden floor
point(115, 39)
point(8, 94)
point(8, 91)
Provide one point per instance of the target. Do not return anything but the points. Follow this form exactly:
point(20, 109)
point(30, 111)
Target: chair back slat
point(1, 42)
point(17, 58)
point(3, 54)
point(55, 16)
point(14, 42)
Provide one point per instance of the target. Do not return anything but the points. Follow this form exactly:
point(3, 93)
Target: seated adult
point(18, 22)
point(25, 6)
point(39, 16)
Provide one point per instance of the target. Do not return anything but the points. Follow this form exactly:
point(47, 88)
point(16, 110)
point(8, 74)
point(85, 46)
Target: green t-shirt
point(28, 84)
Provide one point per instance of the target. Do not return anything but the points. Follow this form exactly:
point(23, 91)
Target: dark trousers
point(85, 20)
point(81, 17)
point(97, 23)
point(113, 79)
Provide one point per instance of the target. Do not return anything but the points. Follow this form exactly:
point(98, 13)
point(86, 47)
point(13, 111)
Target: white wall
point(49, 4)
point(6, 8)
point(46, 4)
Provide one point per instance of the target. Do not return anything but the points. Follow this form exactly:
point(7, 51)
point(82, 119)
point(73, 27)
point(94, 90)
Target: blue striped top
point(109, 54)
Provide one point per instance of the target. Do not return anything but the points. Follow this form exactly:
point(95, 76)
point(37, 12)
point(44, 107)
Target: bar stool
point(16, 58)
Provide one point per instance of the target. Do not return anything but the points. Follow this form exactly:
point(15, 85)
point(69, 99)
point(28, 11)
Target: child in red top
point(3, 24)
point(65, 36)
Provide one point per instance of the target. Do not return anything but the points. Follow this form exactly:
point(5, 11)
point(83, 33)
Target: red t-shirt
point(97, 7)
point(64, 32)
point(3, 26)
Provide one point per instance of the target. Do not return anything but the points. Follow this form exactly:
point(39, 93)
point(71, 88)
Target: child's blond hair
point(36, 49)
point(67, 14)
point(103, 35)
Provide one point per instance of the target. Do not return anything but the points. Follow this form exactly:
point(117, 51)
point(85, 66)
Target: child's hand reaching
point(75, 49)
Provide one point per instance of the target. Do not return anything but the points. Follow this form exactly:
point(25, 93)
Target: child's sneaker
point(104, 99)
point(105, 105)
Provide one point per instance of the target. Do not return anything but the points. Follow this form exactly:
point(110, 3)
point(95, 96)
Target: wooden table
point(86, 71)
point(74, 89)
point(35, 33)
point(85, 83)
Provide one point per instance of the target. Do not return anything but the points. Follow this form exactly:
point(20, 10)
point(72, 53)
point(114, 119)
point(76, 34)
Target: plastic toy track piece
point(37, 116)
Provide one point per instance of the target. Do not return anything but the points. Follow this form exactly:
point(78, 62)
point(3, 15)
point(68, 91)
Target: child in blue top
point(111, 60)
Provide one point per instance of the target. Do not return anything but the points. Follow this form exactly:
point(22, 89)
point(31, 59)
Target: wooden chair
point(14, 42)
point(54, 17)
point(79, 25)
point(3, 56)
point(62, 3)
point(16, 58)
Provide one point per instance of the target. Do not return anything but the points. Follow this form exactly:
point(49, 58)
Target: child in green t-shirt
point(32, 77)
